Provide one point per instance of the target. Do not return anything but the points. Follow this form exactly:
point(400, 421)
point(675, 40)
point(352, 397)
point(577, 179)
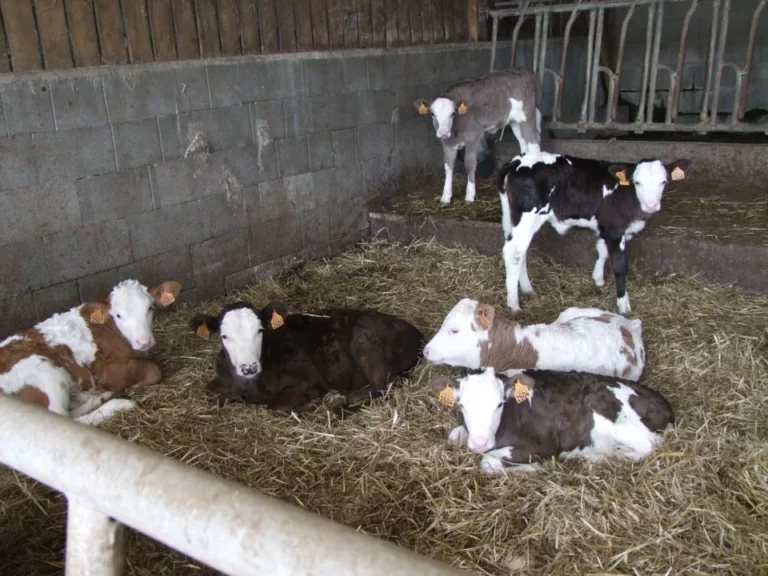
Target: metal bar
point(656, 127)
point(672, 86)
point(494, 36)
point(674, 97)
point(646, 65)
point(560, 79)
point(736, 96)
point(744, 88)
point(506, 12)
point(710, 63)
point(590, 42)
point(543, 55)
point(95, 543)
point(595, 76)
point(536, 39)
point(719, 63)
point(515, 34)
point(655, 62)
point(231, 528)
point(620, 60)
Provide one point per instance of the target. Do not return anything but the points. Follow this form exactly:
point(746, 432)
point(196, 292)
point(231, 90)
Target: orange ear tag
point(678, 173)
point(621, 176)
point(203, 331)
point(276, 320)
point(166, 299)
point(423, 109)
point(446, 397)
point(522, 392)
point(97, 317)
point(462, 108)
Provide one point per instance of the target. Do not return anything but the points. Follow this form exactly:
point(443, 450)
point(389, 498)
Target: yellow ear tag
point(97, 317)
point(462, 108)
point(622, 178)
point(423, 109)
point(678, 173)
point(446, 397)
point(166, 299)
point(484, 322)
point(522, 392)
point(276, 320)
point(203, 331)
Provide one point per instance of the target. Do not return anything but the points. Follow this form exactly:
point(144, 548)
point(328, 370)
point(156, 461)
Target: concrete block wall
point(212, 173)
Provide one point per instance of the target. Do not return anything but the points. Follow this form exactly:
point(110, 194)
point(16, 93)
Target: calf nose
point(427, 353)
point(250, 369)
point(479, 443)
point(145, 343)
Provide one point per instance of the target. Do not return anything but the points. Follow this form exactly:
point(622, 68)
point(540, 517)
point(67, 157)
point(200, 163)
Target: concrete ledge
point(729, 264)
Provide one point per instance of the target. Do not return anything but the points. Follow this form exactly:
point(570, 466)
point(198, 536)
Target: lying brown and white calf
point(580, 339)
point(75, 362)
point(538, 414)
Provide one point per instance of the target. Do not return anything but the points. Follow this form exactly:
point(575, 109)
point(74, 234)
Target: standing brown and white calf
point(468, 110)
point(74, 362)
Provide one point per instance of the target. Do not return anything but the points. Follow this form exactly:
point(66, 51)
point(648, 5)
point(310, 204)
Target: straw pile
point(698, 506)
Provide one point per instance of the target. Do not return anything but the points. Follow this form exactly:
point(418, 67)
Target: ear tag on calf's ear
point(423, 110)
point(203, 331)
point(166, 299)
point(276, 321)
point(462, 107)
point(522, 393)
point(484, 322)
point(446, 397)
point(621, 176)
point(678, 173)
point(97, 317)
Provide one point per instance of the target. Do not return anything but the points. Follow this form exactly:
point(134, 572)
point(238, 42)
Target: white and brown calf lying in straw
point(75, 362)
point(468, 110)
point(613, 199)
point(581, 339)
point(531, 417)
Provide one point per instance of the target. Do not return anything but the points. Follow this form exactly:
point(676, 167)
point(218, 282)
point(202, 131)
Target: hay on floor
point(698, 506)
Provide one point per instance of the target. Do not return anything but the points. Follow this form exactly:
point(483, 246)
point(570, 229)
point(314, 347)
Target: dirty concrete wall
point(212, 173)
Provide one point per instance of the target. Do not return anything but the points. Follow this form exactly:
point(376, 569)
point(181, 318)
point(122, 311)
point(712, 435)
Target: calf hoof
point(337, 403)
point(513, 306)
point(492, 465)
point(445, 201)
point(458, 434)
point(623, 304)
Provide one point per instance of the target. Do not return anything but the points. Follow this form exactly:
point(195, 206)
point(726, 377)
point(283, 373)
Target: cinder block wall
point(212, 173)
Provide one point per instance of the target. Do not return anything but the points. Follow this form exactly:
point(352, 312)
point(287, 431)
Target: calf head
point(649, 177)
point(481, 398)
point(241, 327)
point(443, 112)
point(459, 340)
point(131, 307)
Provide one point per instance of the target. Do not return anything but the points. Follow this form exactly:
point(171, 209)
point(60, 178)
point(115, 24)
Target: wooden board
point(403, 23)
point(286, 26)
point(427, 33)
point(207, 28)
point(22, 36)
point(186, 29)
point(54, 35)
point(364, 23)
point(229, 27)
point(268, 19)
point(460, 20)
point(111, 35)
point(5, 57)
point(349, 17)
point(249, 27)
point(137, 31)
point(335, 24)
point(319, 24)
point(82, 28)
point(472, 20)
point(161, 29)
point(417, 34)
point(378, 22)
point(438, 20)
point(448, 20)
point(303, 10)
point(390, 14)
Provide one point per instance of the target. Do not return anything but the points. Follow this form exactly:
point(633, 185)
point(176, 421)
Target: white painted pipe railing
point(109, 482)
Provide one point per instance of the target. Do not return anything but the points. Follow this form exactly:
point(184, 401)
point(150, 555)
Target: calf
point(537, 415)
point(468, 110)
point(75, 362)
point(581, 339)
point(288, 362)
point(613, 199)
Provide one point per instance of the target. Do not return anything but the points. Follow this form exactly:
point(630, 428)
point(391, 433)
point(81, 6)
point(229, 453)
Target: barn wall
point(207, 172)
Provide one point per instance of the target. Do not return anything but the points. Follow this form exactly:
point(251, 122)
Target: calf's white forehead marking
point(479, 397)
point(130, 306)
point(243, 340)
point(649, 179)
point(443, 108)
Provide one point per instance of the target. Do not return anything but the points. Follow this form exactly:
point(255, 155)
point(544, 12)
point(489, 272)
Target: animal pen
point(269, 150)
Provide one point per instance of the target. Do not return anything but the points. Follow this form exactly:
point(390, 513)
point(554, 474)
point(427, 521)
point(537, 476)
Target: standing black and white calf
point(613, 199)
point(538, 414)
point(468, 110)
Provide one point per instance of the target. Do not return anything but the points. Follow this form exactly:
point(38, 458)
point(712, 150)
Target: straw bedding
point(698, 506)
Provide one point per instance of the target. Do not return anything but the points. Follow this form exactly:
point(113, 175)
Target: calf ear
point(95, 312)
point(621, 172)
point(273, 315)
point(439, 383)
point(462, 107)
point(520, 387)
point(166, 293)
point(422, 106)
point(678, 168)
point(484, 315)
point(204, 325)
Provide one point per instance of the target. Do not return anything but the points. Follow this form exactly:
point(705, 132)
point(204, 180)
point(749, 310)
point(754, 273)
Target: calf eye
point(118, 316)
point(261, 330)
point(223, 337)
point(500, 404)
point(454, 330)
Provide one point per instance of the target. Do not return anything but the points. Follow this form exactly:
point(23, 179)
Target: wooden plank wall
point(56, 34)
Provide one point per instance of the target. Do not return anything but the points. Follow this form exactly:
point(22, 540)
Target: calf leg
point(599, 270)
point(514, 254)
point(90, 403)
point(106, 411)
point(531, 136)
point(525, 283)
point(295, 400)
point(519, 136)
point(470, 163)
point(118, 376)
point(509, 459)
point(620, 267)
point(449, 157)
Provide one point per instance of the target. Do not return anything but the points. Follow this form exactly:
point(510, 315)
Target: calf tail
point(506, 213)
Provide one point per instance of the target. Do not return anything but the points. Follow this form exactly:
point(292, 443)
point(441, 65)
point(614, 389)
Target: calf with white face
point(534, 416)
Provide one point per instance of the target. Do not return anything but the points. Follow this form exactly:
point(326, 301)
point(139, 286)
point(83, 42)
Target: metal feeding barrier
point(110, 482)
point(541, 11)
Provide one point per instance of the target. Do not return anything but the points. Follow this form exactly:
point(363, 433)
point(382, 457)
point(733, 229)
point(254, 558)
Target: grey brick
point(72, 154)
point(376, 107)
point(237, 209)
point(286, 197)
point(169, 228)
point(174, 265)
point(294, 156)
point(218, 257)
point(133, 93)
point(87, 250)
point(22, 268)
point(339, 185)
point(315, 227)
point(96, 287)
point(186, 179)
point(249, 276)
point(344, 147)
point(114, 196)
point(321, 151)
point(395, 70)
point(268, 121)
point(27, 106)
point(252, 164)
point(273, 79)
point(138, 143)
point(78, 103)
point(298, 116)
point(355, 73)
point(174, 130)
point(381, 175)
point(228, 84)
point(415, 134)
point(191, 85)
point(58, 298)
point(323, 75)
point(348, 218)
point(37, 211)
point(376, 141)
point(274, 239)
point(225, 128)
point(3, 131)
point(18, 314)
point(17, 163)
point(334, 112)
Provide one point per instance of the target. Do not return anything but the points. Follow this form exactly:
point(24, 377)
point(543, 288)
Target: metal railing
point(541, 10)
point(109, 482)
